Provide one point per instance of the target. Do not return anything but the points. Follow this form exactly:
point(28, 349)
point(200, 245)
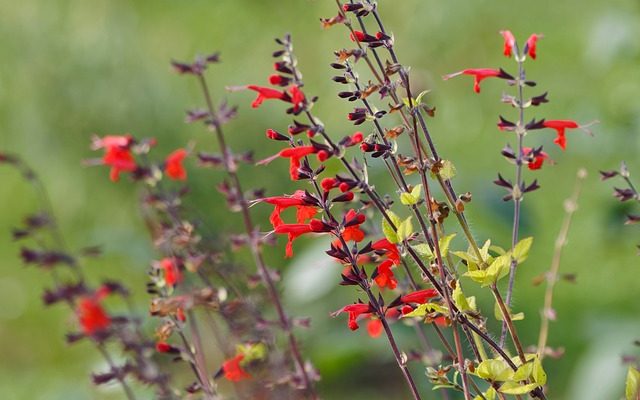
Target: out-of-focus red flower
point(530, 45)
point(384, 277)
point(419, 297)
point(480, 74)
point(292, 231)
point(509, 42)
point(172, 274)
point(164, 347)
point(560, 127)
point(233, 371)
point(374, 327)
point(354, 311)
point(173, 165)
point(111, 141)
point(120, 160)
point(538, 159)
point(91, 315)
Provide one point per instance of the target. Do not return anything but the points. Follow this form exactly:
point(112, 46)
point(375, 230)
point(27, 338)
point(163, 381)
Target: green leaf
point(421, 95)
point(407, 199)
point(405, 230)
point(516, 388)
point(448, 170)
point(498, 314)
point(424, 250)
point(426, 308)
point(632, 387)
point(521, 249)
point(417, 191)
point(436, 387)
point(387, 230)
point(460, 300)
point(444, 244)
point(494, 369)
point(538, 374)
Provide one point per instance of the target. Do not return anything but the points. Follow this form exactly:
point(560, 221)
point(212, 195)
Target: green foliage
point(632, 387)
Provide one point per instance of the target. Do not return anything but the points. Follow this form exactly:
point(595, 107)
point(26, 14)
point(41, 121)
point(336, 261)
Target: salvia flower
point(295, 154)
point(91, 315)
point(384, 277)
point(537, 157)
point(232, 369)
point(119, 158)
point(171, 270)
point(509, 42)
point(419, 297)
point(374, 327)
point(292, 231)
point(354, 311)
point(173, 165)
point(265, 93)
point(304, 209)
point(389, 249)
point(560, 127)
point(480, 74)
point(530, 45)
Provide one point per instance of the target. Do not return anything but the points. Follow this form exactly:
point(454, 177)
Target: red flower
point(560, 126)
point(479, 74)
point(530, 45)
point(173, 165)
point(374, 327)
point(297, 98)
point(303, 213)
point(164, 347)
point(295, 154)
point(120, 159)
point(538, 159)
point(265, 93)
point(292, 231)
point(352, 231)
point(172, 274)
point(111, 141)
point(391, 250)
point(91, 315)
point(419, 297)
point(354, 311)
point(509, 42)
point(384, 275)
point(232, 369)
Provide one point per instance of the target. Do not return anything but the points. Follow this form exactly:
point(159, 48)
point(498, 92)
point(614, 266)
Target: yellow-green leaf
point(632, 388)
point(521, 249)
point(460, 300)
point(498, 314)
point(494, 369)
point(538, 374)
point(417, 191)
point(444, 243)
point(421, 95)
point(387, 230)
point(407, 199)
point(424, 309)
point(424, 250)
point(405, 230)
point(516, 388)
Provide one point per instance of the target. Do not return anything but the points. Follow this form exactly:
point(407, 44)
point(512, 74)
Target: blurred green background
point(70, 68)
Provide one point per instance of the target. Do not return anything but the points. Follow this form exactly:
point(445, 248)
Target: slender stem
point(112, 366)
point(506, 315)
point(518, 195)
point(570, 207)
point(256, 251)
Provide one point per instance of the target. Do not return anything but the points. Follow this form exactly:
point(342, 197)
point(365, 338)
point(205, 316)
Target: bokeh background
point(71, 68)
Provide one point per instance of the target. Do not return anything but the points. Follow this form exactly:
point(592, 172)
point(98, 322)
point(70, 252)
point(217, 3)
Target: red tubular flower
point(172, 274)
point(391, 250)
point(329, 183)
point(538, 159)
point(111, 141)
point(479, 74)
point(352, 231)
point(120, 159)
point(164, 347)
point(509, 42)
point(281, 203)
point(419, 297)
point(374, 327)
point(173, 165)
point(385, 277)
point(91, 315)
point(560, 126)
point(530, 45)
point(297, 98)
point(265, 93)
point(295, 154)
point(358, 36)
point(292, 231)
point(354, 311)
point(233, 371)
